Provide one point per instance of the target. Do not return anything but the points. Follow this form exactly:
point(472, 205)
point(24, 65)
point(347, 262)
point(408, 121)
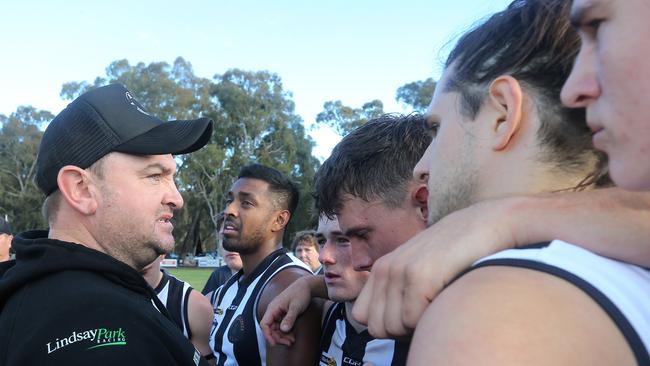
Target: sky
point(354, 50)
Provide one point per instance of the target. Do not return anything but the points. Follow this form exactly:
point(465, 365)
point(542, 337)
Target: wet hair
point(304, 236)
point(534, 42)
point(285, 192)
point(373, 161)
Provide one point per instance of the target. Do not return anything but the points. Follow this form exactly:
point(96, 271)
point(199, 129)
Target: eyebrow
point(579, 13)
point(355, 230)
point(163, 169)
point(247, 195)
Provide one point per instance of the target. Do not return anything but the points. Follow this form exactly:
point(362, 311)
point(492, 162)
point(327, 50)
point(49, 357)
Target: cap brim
point(174, 137)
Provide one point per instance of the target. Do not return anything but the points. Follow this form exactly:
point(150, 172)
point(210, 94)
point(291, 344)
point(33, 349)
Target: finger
point(362, 303)
point(376, 325)
point(288, 321)
point(394, 299)
point(418, 292)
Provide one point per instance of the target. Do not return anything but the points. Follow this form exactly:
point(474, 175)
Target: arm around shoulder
point(516, 316)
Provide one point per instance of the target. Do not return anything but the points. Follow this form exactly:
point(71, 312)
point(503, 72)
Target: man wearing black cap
point(5, 239)
point(75, 295)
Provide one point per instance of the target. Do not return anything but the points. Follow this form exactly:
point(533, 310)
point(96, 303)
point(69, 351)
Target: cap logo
point(133, 102)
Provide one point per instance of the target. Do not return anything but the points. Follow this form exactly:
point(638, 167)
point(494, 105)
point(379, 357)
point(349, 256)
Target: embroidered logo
point(100, 337)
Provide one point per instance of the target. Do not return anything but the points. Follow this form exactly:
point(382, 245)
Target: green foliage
point(417, 94)
point(254, 120)
point(20, 136)
point(345, 119)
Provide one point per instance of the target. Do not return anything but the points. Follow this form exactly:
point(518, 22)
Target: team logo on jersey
point(237, 329)
point(100, 337)
point(218, 311)
point(327, 360)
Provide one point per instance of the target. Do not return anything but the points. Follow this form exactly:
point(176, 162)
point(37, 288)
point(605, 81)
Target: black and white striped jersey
point(236, 337)
point(622, 290)
point(174, 294)
point(342, 345)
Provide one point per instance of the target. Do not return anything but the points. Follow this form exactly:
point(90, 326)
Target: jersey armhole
point(622, 323)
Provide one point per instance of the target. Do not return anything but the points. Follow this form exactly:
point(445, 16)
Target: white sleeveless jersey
point(621, 289)
point(342, 345)
point(236, 337)
point(175, 294)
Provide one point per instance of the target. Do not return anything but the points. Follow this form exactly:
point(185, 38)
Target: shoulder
point(278, 283)
point(283, 279)
point(535, 318)
point(199, 303)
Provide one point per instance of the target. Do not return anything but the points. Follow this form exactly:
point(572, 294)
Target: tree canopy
point(254, 121)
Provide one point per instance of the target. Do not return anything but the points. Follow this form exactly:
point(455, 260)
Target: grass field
point(197, 277)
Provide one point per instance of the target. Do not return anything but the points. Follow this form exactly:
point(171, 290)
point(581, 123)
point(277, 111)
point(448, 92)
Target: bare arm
point(304, 351)
point(514, 316)
point(200, 319)
point(281, 313)
point(610, 222)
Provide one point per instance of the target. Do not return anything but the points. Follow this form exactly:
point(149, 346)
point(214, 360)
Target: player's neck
point(252, 260)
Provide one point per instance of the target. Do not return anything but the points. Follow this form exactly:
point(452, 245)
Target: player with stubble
point(258, 208)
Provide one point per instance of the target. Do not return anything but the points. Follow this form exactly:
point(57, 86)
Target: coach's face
point(611, 78)
point(375, 229)
point(343, 282)
point(136, 200)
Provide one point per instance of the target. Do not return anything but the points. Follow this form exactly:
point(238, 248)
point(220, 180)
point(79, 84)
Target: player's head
point(106, 167)
point(343, 282)
point(367, 184)
point(611, 78)
point(305, 247)
point(259, 206)
point(499, 126)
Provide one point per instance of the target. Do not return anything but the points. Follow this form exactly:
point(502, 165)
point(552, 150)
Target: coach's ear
point(506, 103)
point(420, 199)
point(76, 187)
point(281, 220)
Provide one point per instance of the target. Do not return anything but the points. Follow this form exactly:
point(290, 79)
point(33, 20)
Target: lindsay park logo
point(100, 337)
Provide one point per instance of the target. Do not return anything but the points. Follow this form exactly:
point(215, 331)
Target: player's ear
point(281, 220)
point(505, 100)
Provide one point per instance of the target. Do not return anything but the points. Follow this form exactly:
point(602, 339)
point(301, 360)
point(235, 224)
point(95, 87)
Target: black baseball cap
point(5, 228)
point(109, 119)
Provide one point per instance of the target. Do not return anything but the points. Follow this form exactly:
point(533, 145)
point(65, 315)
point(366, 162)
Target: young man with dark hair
point(377, 201)
point(305, 248)
point(75, 294)
point(494, 117)
point(258, 209)
point(373, 206)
